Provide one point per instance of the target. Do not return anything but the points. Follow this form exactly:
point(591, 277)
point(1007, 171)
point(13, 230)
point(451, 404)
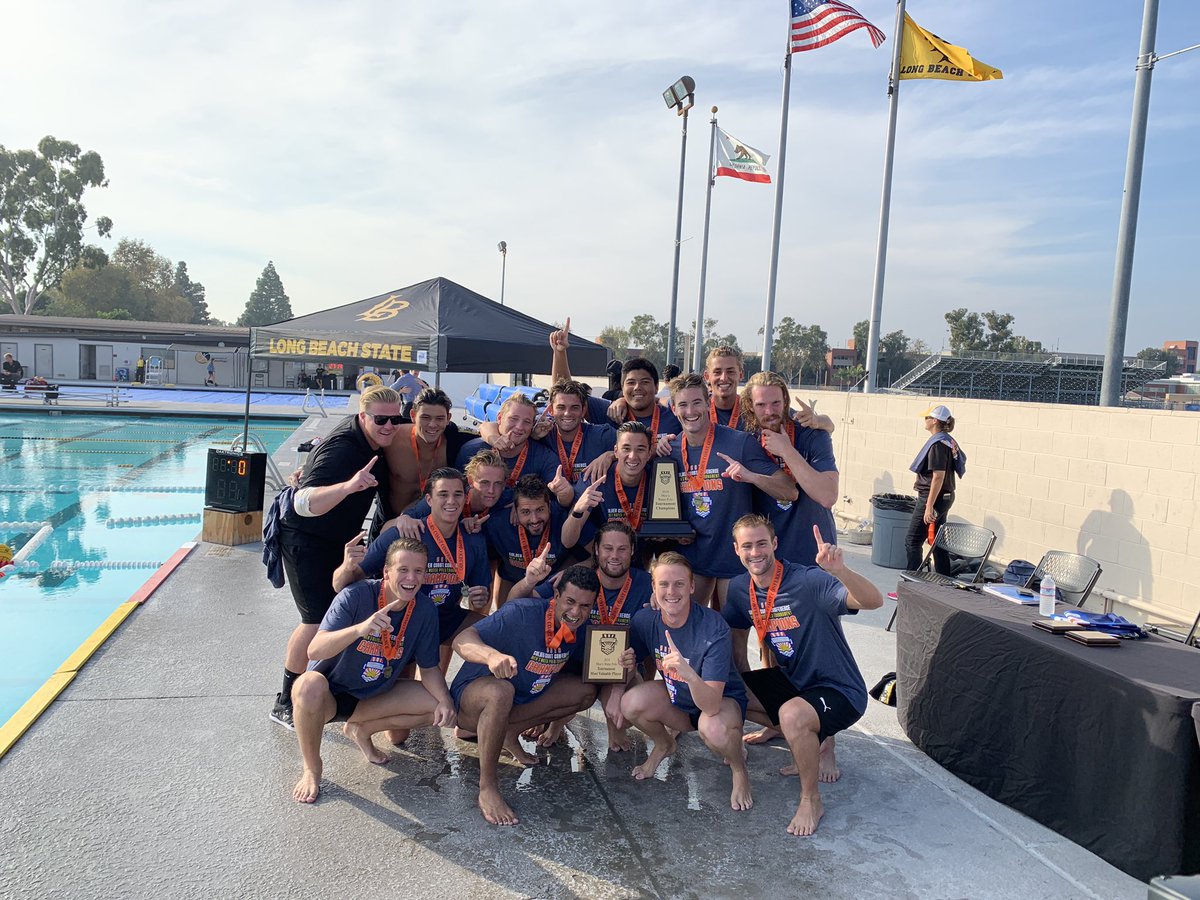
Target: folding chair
point(1172, 632)
point(971, 544)
point(1074, 575)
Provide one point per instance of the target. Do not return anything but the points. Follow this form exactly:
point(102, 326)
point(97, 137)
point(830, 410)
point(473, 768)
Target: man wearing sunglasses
point(340, 480)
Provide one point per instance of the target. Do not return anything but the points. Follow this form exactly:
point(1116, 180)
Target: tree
point(614, 338)
point(1157, 355)
point(42, 217)
point(999, 325)
point(966, 330)
point(193, 293)
point(797, 349)
point(107, 292)
point(155, 297)
point(649, 336)
point(862, 337)
point(268, 302)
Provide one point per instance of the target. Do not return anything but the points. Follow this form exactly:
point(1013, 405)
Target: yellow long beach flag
point(925, 55)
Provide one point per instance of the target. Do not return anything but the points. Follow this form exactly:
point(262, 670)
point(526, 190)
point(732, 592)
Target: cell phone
point(1025, 592)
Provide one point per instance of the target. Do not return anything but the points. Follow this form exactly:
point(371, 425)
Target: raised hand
point(407, 526)
point(538, 569)
point(379, 623)
point(590, 498)
point(542, 427)
point(558, 482)
point(663, 446)
point(561, 339)
point(502, 666)
point(355, 550)
point(474, 524)
point(501, 442)
point(804, 412)
point(829, 557)
point(675, 663)
point(734, 469)
point(363, 480)
point(599, 466)
point(617, 410)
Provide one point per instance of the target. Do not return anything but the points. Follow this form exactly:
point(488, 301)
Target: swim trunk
point(346, 704)
point(773, 689)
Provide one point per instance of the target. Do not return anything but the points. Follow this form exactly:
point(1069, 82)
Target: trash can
point(892, 513)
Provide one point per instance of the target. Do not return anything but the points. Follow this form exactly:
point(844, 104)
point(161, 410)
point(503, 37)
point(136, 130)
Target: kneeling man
point(371, 632)
point(512, 676)
point(816, 690)
point(700, 690)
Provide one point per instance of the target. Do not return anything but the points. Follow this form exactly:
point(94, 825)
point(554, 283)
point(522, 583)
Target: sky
point(367, 146)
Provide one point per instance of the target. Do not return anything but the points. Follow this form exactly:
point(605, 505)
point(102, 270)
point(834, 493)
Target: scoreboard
point(236, 481)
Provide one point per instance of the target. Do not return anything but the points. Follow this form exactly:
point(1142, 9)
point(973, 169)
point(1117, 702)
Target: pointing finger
point(817, 535)
point(358, 539)
point(671, 643)
point(567, 327)
point(369, 466)
point(393, 605)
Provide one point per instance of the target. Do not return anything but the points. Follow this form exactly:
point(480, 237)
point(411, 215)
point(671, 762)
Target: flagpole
point(769, 325)
point(885, 205)
point(698, 354)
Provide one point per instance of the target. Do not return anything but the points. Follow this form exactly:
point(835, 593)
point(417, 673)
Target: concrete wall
point(1118, 485)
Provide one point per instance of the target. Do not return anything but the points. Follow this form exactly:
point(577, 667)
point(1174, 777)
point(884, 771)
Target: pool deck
point(158, 773)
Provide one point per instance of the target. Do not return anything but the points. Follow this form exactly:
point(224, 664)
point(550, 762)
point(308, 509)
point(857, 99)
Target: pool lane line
point(20, 721)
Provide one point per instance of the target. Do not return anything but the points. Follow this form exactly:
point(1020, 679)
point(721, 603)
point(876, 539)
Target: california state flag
point(739, 160)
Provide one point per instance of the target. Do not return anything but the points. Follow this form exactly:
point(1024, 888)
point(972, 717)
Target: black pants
point(918, 533)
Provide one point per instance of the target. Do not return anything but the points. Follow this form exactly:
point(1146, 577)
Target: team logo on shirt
point(785, 506)
point(540, 685)
point(702, 505)
point(439, 594)
point(782, 644)
point(373, 670)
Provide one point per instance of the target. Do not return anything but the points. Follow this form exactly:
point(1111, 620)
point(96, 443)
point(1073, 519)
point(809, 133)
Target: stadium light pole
point(503, 248)
point(680, 97)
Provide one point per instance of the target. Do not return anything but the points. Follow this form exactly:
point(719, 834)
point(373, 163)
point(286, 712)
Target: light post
point(503, 248)
point(680, 97)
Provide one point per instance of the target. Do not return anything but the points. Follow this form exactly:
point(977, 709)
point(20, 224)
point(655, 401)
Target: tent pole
point(246, 419)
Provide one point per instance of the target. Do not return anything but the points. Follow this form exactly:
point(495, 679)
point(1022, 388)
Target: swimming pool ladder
point(275, 480)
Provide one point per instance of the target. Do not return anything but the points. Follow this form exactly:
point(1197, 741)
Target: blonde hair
point(487, 457)
point(725, 350)
point(516, 400)
point(761, 379)
point(672, 558)
point(379, 393)
point(690, 380)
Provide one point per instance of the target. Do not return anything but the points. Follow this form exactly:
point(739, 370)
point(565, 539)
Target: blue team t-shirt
point(713, 510)
point(518, 628)
point(610, 507)
point(806, 629)
point(361, 669)
point(724, 415)
point(704, 640)
point(641, 588)
point(596, 439)
point(667, 423)
point(504, 542)
point(538, 461)
point(794, 521)
point(441, 584)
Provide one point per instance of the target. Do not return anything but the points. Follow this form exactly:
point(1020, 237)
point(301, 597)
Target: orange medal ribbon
point(518, 466)
point(526, 556)
point(607, 617)
point(422, 477)
point(555, 639)
point(762, 617)
point(459, 561)
point(632, 516)
point(630, 417)
point(568, 463)
point(697, 480)
point(393, 644)
point(790, 427)
point(733, 416)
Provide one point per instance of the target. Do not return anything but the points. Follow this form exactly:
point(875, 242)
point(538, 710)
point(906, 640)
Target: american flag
point(816, 23)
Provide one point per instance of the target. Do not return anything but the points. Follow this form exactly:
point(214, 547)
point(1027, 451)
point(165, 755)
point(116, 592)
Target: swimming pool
point(181, 395)
point(72, 483)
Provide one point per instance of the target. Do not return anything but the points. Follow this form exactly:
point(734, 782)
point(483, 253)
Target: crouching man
point(512, 676)
point(373, 629)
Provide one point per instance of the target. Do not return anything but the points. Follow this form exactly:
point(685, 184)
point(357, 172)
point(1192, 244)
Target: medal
point(697, 481)
point(610, 616)
point(458, 561)
point(423, 476)
point(393, 646)
point(387, 671)
point(526, 555)
point(632, 516)
point(733, 415)
point(630, 417)
point(465, 599)
point(568, 462)
point(555, 639)
point(517, 466)
point(762, 617)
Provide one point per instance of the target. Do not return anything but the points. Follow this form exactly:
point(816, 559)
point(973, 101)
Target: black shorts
point(694, 714)
point(309, 564)
point(773, 689)
point(346, 704)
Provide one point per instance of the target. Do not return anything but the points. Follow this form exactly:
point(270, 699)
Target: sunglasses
point(383, 420)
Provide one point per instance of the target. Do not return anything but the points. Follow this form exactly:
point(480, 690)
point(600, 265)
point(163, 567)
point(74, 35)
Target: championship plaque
point(602, 649)
point(664, 517)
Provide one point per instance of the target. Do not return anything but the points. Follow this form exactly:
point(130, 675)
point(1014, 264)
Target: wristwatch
point(575, 514)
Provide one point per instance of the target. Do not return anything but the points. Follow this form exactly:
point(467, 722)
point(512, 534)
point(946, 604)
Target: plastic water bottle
point(1046, 597)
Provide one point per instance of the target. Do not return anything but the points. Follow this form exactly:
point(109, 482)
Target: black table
point(1100, 744)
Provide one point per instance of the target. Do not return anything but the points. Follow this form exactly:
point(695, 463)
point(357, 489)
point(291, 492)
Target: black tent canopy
point(434, 326)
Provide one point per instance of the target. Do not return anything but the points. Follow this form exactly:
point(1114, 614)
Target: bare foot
point(398, 736)
point(517, 752)
point(740, 798)
point(789, 769)
point(534, 732)
point(808, 814)
point(494, 809)
point(761, 737)
point(463, 735)
point(827, 767)
point(618, 739)
point(550, 736)
point(365, 744)
point(661, 751)
point(308, 787)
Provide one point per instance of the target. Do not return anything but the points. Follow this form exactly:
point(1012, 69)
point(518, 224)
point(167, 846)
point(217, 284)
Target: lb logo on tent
point(388, 308)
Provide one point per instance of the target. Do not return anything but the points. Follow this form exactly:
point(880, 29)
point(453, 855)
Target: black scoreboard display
point(236, 482)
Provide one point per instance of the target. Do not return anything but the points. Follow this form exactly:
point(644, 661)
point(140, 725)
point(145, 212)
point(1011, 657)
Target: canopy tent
point(434, 326)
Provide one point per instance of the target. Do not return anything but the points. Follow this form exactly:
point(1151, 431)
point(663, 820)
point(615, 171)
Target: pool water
point(84, 476)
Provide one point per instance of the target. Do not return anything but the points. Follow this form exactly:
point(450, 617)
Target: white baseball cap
point(941, 413)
